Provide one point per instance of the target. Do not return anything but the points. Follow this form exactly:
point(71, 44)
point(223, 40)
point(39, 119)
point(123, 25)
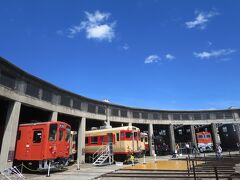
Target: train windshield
point(208, 136)
point(128, 134)
point(52, 132)
point(68, 134)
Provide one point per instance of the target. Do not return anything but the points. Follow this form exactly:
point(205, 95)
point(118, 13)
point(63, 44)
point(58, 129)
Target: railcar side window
point(68, 134)
point(52, 132)
point(146, 139)
point(117, 136)
point(18, 135)
point(37, 136)
point(141, 139)
point(94, 140)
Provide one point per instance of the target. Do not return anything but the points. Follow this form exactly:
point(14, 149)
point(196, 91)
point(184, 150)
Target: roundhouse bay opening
point(29, 114)
point(144, 137)
point(161, 139)
point(3, 115)
point(94, 124)
point(74, 122)
point(182, 135)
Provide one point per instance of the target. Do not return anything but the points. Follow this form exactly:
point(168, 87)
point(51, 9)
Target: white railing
point(102, 154)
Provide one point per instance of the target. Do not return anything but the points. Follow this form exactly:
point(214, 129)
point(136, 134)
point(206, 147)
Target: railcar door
point(110, 141)
point(36, 148)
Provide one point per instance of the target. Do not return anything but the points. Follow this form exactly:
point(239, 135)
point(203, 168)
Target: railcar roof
point(112, 129)
point(40, 123)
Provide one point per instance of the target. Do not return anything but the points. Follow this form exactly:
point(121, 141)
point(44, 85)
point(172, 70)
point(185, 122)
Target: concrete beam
point(9, 136)
point(81, 141)
point(172, 138)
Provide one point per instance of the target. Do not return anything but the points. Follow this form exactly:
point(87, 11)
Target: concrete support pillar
point(215, 136)
point(81, 141)
point(235, 116)
point(237, 126)
point(193, 135)
point(150, 141)
point(172, 138)
point(107, 116)
point(130, 124)
point(9, 136)
point(54, 116)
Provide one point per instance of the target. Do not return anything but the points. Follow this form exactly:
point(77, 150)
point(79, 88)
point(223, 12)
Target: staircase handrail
point(101, 151)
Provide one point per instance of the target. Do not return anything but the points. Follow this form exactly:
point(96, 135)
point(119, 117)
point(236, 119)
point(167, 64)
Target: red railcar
point(41, 143)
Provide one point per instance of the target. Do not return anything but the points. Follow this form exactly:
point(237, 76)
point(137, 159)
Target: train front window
point(141, 139)
point(37, 136)
point(128, 134)
point(208, 136)
point(86, 140)
point(200, 136)
point(68, 134)
point(146, 139)
point(117, 136)
point(224, 129)
point(18, 135)
point(94, 140)
point(135, 135)
point(52, 132)
point(122, 135)
point(60, 134)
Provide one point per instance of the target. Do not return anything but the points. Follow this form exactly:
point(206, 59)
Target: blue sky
point(162, 54)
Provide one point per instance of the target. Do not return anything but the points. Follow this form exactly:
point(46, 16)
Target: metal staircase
point(103, 156)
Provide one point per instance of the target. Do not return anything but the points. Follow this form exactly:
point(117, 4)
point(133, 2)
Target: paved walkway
point(89, 171)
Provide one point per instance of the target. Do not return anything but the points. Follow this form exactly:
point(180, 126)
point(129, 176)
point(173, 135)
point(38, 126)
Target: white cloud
point(169, 56)
point(214, 53)
point(201, 20)
point(152, 58)
point(96, 26)
point(125, 46)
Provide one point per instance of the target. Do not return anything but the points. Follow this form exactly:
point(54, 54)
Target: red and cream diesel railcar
point(204, 141)
point(144, 142)
point(125, 140)
point(41, 143)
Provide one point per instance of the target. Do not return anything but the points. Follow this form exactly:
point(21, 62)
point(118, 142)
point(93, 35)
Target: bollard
point(204, 157)
point(78, 164)
point(155, 157)
point(22, 167)
point(194, 173)
point(144, 159)
point(49, 167)
point(187, 166)
point(216, 173)
point(229, 152)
